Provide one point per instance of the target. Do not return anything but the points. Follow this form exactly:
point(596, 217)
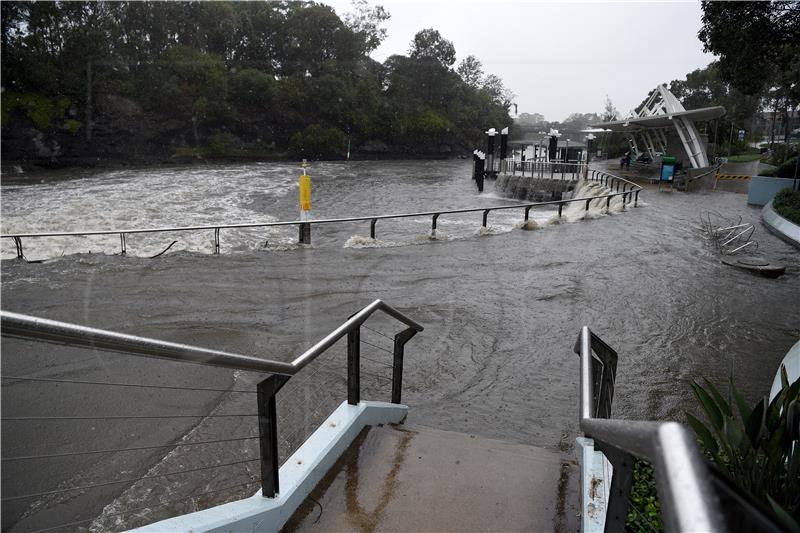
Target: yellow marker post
point(305, 204)
point(305, 193)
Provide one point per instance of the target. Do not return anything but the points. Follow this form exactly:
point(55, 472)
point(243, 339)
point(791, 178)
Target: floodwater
point(501, 308)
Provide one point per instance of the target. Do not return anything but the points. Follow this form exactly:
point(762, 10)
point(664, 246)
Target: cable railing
point(270, 378)
point(630, 192)
point(692, 492)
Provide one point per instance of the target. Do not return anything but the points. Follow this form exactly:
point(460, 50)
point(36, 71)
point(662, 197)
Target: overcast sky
point(559, 57)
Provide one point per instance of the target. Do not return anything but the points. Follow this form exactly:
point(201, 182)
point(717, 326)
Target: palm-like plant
point(758, 447)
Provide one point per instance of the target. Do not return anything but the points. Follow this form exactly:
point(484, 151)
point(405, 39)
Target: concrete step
point(412, 478)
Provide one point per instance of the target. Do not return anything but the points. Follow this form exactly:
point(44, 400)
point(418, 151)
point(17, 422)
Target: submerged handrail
point(22, 326)
point(689, 502)
point(630, 191)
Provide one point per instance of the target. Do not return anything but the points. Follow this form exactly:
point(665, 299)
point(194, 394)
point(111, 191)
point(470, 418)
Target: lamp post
point(538, 153)
point(589, 139)
point(553, 148)
point(490, 151)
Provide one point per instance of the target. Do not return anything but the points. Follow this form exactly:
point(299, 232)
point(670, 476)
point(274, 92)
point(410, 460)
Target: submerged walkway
point(401, 478)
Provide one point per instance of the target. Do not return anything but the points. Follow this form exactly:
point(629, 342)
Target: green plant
point(787, 204)
point(318, 142)
point(785, 170)
point(758, 447)
point(781, 152)
point(644, 513)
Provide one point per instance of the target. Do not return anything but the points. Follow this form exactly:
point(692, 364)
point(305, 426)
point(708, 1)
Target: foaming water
point(252, 193)
point(144, 198)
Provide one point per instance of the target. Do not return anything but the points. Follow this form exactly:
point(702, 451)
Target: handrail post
point(560, 206)
point(18, 244)
point(372, 228)
point(587, 203)
point(216, 241)
point(400, 341)
point(268, 433)
point(620, 490)
point(636, 199)
point(354, 366)
point(527, 212)
point(608, 203)
point(122, 243)
point(433, 224)
point(485, 216)
point(305, 233)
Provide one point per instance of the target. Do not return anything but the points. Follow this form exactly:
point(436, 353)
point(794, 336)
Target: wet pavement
point(412, 478)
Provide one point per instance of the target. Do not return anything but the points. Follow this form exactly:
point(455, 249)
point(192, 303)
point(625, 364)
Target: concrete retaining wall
point(533, 189)
point(785, 229)
point(764, 188)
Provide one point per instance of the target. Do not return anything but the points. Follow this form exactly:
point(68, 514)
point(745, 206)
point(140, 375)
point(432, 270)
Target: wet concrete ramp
point(401, 478)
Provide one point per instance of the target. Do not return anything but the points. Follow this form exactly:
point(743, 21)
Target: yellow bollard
point(305, 205)
point(305, 190)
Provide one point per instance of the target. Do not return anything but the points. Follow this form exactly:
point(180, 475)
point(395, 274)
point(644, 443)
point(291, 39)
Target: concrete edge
point(785, 229)
point(298, 476)
point(596, 473)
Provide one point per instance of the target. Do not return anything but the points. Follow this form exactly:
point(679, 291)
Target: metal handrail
point(595, 174)
point(32, 328)
point(689, 502)
point(29, 327)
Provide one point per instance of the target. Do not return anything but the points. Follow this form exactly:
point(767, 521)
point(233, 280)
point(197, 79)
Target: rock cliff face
point(120, 132)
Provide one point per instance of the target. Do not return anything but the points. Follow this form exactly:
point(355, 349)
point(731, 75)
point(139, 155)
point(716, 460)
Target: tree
point(471, 71)
point(759, 48)
point(755, 40)
point(498, 92)
point(365, 22)
point(610, 112)
point(429, 44)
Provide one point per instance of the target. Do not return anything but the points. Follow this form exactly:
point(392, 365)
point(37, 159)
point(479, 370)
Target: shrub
point(787, 204)
point(644, 513)
point(221, 144)
point(779, 153)
point(759, 447)
point(318, 142)
point(787, 169)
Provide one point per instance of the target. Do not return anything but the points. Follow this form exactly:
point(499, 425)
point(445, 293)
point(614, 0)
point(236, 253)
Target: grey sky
point(559, 57)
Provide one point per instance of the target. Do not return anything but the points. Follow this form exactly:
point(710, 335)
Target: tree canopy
point(259, 78)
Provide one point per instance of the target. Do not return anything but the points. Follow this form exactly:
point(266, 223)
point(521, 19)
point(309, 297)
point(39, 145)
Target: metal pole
point(353, 366)
point(400, 341)
point(268, 433)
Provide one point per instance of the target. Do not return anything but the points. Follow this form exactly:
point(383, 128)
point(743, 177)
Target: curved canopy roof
point(661, 120)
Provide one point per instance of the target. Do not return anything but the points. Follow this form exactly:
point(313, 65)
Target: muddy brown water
point(501, 311)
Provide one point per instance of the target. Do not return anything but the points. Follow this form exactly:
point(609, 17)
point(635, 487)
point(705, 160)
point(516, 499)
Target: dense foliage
point(757, 447)
point(121, 79)
point(787, 204)
point(758, 44)
point(644, 513)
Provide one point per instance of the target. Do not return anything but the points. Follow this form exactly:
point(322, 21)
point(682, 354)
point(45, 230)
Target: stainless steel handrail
point(28, 327)
point(688, 500)
point(634, 188)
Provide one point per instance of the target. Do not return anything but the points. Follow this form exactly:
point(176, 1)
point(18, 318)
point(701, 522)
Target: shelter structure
point(663, 126)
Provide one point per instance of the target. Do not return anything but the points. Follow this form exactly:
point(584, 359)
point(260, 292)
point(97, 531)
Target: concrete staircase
point(412, 478)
